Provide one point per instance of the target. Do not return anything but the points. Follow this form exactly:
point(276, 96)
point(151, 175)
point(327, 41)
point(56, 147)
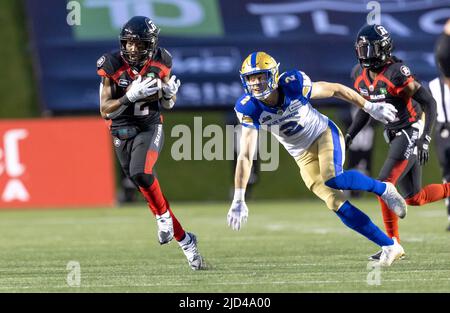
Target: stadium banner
point(208, 40)
point(56, 163)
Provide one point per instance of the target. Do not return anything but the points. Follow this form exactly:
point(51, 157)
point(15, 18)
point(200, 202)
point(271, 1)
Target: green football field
point(285, 247)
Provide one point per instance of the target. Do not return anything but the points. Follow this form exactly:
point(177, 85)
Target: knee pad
point(143, 180)
point(335, 200)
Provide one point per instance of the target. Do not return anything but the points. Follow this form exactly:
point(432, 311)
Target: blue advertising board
point(208, 40)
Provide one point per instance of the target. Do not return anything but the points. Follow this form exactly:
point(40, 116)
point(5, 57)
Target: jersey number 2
point(291, 128)
point(140, 109)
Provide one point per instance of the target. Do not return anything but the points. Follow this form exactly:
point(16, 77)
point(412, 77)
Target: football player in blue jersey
point(281, 104)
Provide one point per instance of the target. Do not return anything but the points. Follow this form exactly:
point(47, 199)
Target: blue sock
point(354, 180)
point(360, 222)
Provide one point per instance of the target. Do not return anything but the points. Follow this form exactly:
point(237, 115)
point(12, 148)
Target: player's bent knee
point(334, 201)
point(143, 180)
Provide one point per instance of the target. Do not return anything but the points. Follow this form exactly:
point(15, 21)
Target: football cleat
point(376, 256)
point(391, 253)
point(190, 250)
point(165, 228)
point(394, 200)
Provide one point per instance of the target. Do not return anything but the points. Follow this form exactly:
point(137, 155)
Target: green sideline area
point(285, 247)
point(181, 180)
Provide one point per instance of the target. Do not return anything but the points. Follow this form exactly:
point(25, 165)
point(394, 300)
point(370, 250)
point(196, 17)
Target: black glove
point(423, 149)
point(348, 141)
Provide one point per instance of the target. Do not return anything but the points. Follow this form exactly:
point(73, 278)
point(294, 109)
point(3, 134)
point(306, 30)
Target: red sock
point(155, 198)
point(159, 205)
point(430, 193)
point(390, 220)
point(177, 228)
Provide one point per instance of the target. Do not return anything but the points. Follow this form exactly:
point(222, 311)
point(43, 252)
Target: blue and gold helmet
point(257, 63)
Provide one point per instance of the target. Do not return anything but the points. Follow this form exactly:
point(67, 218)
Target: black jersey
point(387, 87)
point(142, 113)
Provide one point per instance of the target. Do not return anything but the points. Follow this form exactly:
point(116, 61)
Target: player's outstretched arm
point(383, 112)
point(238, 213)
point(249, 138)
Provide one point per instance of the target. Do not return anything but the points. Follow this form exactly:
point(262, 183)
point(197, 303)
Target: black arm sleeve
point(428, 104)
point(360, 120)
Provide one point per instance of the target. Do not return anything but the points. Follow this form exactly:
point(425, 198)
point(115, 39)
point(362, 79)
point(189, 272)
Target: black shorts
point(138, 155)
point(402, 165)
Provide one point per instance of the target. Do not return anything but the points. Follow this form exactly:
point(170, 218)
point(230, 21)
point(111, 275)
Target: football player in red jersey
point(135, 82)
point(381, 77)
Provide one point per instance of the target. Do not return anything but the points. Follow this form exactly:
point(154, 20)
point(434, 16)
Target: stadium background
point(50, 68)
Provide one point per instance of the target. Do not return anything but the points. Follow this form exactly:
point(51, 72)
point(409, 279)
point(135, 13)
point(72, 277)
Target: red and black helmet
point(373, 46)
point(140, 29)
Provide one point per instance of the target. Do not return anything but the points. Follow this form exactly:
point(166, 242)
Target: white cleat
point(190, 250)
point(394, 200)
point(391, 253)
point(376, 256)
point(165, 228)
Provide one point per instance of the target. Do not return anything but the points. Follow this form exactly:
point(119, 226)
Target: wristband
point(239, 194)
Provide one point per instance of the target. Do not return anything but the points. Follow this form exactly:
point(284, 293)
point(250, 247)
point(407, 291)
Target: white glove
point(237, 214)
point(170, 88)
point(141, 89)
point(381, 111)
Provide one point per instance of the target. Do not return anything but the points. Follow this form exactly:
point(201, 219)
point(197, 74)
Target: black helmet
point(373, 46)
point(141, 29)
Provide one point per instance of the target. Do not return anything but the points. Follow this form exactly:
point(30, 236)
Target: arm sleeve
point(360, 120)
point(428, 104)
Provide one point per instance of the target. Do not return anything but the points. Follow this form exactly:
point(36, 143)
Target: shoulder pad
point(108, 64)
point(163, 56)
point(247, 111)
point(399, 74)
point(296, 83)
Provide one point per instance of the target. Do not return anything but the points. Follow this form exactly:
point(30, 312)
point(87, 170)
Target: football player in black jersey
point(381, 77)
point(135, 82)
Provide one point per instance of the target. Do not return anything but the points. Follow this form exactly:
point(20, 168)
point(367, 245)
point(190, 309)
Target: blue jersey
point(295, 123)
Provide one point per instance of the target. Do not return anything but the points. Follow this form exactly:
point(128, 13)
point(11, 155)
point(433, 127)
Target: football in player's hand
point(158, 95)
